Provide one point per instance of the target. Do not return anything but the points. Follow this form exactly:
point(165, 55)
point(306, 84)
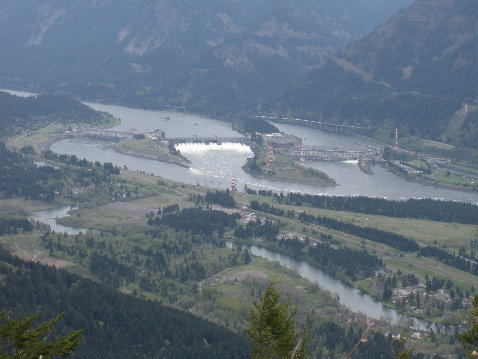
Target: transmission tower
point(233, 184)
point(302, 158)
point(270, 157)
point(396, 140)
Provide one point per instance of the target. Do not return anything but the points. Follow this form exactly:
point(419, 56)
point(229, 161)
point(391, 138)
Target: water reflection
point(352, 298)
point(49, 217)
point(215, 165)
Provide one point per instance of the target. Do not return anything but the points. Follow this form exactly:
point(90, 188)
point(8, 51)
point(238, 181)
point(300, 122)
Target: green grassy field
point(453, 235)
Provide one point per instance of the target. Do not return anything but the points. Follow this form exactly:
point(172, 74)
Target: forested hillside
point(21, 177)
point(212, 56)
point(116, 325)
point(413, 72)
point(20, 113)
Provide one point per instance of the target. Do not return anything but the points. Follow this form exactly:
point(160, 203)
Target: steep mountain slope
point(205, 55)
point(116, 325)
point(416, 70)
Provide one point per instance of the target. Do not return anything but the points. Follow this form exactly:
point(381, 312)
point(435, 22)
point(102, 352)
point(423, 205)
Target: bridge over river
point(209, 140)
point(101, 134)
point(113, 135)
point(331, 154)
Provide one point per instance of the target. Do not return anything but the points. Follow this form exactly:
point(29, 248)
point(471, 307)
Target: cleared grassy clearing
point(37, 138)
point(228, 296)
point(454, 235)
point(100, 219)
point(21, 207)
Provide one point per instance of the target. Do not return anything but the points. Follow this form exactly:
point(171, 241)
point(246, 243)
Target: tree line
point(372, 234)
point(196, 220)
point(73, 160)
point(224, 198)
point(257, 228)
point(435, 210)
point(21, 177)
point(449, 259)
point(375, 235)
point(14, 225)
point(20, 113)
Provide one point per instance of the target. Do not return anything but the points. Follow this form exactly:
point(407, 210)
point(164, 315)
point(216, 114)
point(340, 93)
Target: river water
point(352, 298)
point(49, 216)
point(215, 165)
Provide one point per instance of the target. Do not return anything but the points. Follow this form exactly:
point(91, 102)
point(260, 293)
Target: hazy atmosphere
point(241, 179)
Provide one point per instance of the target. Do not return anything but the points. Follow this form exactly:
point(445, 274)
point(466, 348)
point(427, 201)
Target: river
point(49, 216)
point(352, 298)
point(215, 165)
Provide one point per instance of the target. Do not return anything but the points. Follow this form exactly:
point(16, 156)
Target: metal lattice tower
point(233, 184)
point(302, 158)
point(396, 140)
point(270, 157)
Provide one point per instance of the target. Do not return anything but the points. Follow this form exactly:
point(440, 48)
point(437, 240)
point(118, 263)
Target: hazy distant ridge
point(415, 71)
point(207, 55)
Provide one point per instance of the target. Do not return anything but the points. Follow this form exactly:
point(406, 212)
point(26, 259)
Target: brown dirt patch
point(42, 259)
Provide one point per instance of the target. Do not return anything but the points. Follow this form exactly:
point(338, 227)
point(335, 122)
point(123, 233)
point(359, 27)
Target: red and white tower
point(233, 184)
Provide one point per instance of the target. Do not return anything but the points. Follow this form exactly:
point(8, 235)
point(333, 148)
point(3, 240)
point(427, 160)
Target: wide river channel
point(215, 165)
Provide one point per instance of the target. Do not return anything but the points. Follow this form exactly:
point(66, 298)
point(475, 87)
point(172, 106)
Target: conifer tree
point(469, 339)
point(272, 328)
point(19, 340)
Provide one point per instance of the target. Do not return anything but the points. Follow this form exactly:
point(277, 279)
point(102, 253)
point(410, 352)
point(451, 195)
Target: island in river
point(277, 165)
point(272, 159)
point(153, 148)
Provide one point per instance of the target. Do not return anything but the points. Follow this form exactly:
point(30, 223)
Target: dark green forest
point(116, 325)
point(14, 225)
point(253, 125)
point(435, 210)
point(196, 221)
point(34, 112)
point(224, 198)
point(21, 177)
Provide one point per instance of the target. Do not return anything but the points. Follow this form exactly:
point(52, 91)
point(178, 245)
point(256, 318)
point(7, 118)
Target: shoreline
point(421, 181)
point(50, 141)
point(184, 164)
point(426, 182)
point(263, 176)
point(364, 166)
